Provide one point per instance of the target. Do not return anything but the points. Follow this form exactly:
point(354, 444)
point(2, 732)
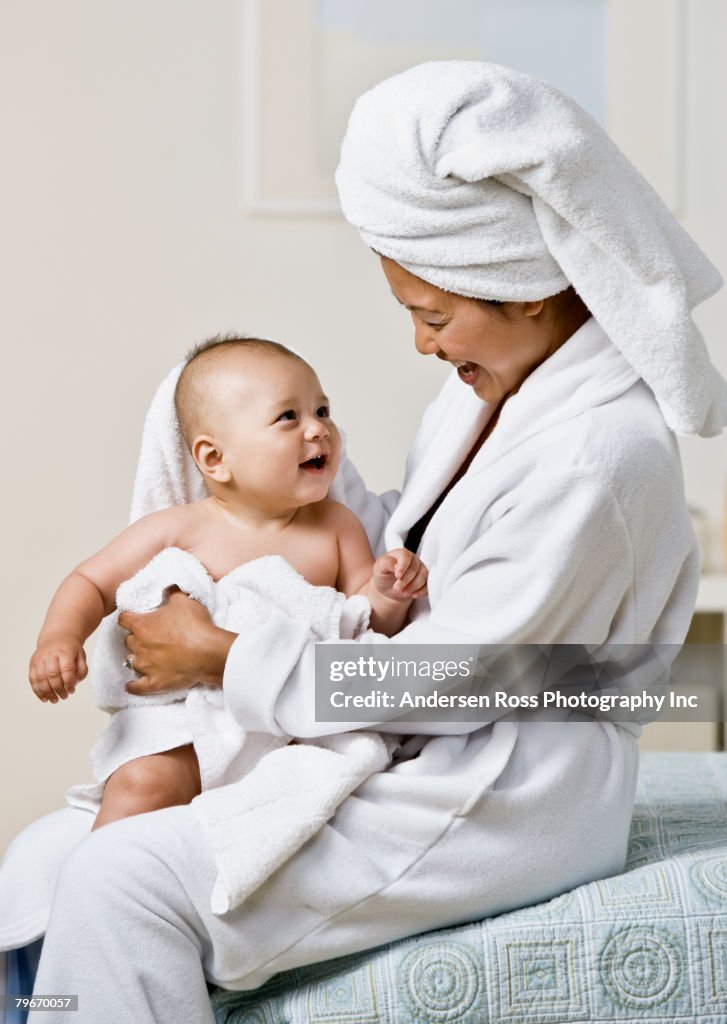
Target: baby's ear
point(208, 455)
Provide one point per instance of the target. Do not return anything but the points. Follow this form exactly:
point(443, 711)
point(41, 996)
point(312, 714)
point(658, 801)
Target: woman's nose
point(424, 340)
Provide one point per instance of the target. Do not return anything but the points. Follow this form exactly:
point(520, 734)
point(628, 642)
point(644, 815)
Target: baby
point(259, 428)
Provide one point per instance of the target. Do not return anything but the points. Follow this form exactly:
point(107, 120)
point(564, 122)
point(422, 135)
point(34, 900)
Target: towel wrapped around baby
point(258, 793)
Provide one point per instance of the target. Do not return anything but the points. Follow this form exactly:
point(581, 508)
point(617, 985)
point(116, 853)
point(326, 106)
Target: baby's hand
point(56, 667)
point(401, 575)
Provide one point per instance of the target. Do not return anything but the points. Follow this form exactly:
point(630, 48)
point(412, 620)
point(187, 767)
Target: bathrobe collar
point(586, 371)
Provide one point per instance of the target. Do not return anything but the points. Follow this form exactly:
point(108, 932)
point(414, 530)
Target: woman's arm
point(554, 568)
point(177, 645)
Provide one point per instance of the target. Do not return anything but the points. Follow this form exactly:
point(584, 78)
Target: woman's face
point(493, 348)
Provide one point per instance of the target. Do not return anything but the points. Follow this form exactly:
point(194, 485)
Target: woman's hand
point(175, 646)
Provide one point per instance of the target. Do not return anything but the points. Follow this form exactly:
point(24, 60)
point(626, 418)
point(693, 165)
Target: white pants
point(131, 931)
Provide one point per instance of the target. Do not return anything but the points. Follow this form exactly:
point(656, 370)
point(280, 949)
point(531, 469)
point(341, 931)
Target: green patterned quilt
point(648, 945)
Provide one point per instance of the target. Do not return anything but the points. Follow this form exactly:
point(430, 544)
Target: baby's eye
point(323, 411)
point(289, 414)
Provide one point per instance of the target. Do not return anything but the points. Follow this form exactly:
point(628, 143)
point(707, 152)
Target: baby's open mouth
point(314, 464)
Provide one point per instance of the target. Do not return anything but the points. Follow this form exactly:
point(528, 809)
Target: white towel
point(262, 799)
point(244, 597)
point(166, 474)
point(491, 184)
point(258, 823)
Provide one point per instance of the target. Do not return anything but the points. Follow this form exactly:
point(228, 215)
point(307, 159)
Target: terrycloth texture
point(29, 873)
point(569, 527)
point(242, 598)
point(648, 945)
point(166, 474)
point(245, 597)
point(287, 797)
point(492, 184)
point(394, 861)
point(256, 824)
point(621, 948)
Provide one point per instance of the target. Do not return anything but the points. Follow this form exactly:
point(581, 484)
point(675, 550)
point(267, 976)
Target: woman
point(544, 492)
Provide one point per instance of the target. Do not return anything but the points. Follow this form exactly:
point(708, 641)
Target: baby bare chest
point(311, 552)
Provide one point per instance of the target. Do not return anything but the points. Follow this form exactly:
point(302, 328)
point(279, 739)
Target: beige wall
point(667, 89)
point(123, 241)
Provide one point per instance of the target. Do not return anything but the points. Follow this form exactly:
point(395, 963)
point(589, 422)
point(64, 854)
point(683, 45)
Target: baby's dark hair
point(192, 391)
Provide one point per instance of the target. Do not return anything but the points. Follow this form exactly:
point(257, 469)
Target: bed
point(648, 945)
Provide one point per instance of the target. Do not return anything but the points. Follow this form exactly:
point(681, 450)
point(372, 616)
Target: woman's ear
point(532, 308)
point(209, 457)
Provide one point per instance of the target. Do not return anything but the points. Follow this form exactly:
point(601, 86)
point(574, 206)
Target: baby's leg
point(150, 783)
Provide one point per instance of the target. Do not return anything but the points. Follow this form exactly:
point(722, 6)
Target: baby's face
point(273, 425)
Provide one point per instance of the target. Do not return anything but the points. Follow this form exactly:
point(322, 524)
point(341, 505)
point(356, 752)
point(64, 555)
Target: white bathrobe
point(570, 526)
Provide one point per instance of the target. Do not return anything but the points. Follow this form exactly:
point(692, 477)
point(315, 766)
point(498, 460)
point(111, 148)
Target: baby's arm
point(391, 582)
point(85, 596)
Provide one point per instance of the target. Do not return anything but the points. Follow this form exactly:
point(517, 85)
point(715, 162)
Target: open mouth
point(467, 372)
point(315, 465)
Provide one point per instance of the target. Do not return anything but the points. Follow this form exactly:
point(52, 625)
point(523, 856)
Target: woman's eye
point(323, 411)
point(289, 414)
point(434, 325)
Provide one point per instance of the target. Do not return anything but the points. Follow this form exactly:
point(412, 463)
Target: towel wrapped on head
point(490, 183)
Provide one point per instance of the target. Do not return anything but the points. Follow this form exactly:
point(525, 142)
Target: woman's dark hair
point(563, 303)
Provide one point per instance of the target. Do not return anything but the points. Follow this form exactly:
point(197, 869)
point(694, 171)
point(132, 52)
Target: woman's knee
point(142, 854)
point(103, 862)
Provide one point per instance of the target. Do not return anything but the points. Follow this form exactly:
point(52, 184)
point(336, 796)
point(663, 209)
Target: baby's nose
point(316, 429)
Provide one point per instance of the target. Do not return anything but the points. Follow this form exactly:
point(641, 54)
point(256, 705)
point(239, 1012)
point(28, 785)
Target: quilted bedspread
point(648, 945)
